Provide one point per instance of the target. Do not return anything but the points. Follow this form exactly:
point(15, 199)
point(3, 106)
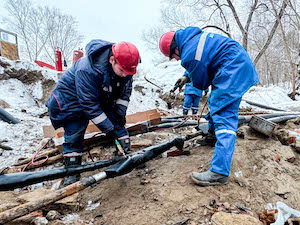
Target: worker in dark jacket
point(212, 59)
point(97, 88)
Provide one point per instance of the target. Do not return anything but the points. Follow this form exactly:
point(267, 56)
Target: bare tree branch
point(218, 28)
point(269, 39)
point(293, 67)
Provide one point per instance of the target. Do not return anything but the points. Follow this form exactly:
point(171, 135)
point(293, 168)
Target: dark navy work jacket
point(91, 90)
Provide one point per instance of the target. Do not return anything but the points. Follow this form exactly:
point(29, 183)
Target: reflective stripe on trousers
point(225, 123)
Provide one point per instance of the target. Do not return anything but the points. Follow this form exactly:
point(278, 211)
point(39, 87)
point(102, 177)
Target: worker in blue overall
point(97, 88)
point(192, 96)
point(222, 63)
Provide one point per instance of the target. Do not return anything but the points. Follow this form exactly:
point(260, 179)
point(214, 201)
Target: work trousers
point(191, 101)
point(75, 130)
point(224, 123)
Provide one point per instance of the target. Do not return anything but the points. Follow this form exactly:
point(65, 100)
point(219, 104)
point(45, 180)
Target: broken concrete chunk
point(4, 104)
point(246, 132)
point(40, 221)
point(53, 215)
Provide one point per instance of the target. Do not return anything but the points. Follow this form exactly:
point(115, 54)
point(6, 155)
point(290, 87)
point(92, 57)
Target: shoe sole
point(206, 144)
point(206, 183)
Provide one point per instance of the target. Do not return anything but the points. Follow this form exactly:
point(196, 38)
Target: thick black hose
point(18, 180)
point(141, 157)
point(6, 117)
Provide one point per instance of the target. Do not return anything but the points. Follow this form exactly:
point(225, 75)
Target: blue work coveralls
point(192, 96)
point(90, 90)
point(212, 59)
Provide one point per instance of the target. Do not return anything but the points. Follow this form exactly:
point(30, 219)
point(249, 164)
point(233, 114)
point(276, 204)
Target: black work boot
point(185, 112)
point(194, 111)
point(71, 162)
point(209, 140)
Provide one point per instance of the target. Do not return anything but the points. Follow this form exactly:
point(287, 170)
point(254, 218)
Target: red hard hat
point(165, 42)
point(127, 56)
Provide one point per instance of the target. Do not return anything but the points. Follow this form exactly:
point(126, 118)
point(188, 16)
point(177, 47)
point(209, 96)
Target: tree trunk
point(286, 47)
point(270, 37)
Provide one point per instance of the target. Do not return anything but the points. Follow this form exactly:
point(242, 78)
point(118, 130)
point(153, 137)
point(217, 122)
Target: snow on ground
point(164, 75)
point(26, 105)
point(273, 96)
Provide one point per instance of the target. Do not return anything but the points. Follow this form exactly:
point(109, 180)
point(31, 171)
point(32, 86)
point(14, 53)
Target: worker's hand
point(182, 81)
point(111, 135)
point(122, 121)
point(125, 144)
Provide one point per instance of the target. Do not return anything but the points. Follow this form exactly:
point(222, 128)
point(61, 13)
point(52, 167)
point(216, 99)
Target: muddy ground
point(162, 193)
point(263, 171)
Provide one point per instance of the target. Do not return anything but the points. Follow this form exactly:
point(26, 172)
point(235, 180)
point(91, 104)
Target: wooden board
point(151, 115)
point(9, 50)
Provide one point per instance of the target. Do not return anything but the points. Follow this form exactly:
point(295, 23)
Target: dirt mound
point(162, 193)
point(28, 73)
point(23, 75)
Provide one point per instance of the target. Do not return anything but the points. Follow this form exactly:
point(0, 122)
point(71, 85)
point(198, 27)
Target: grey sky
point(116, 20)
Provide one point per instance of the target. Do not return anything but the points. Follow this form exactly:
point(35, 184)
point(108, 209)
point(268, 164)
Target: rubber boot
point(71, 162)
point(209, 140)
point(208, 178)
point(185, 112)
point(194, 111)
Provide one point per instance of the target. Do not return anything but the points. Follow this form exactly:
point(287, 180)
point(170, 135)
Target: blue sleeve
point(88, 93)
point(186, 74)
point(197, 73)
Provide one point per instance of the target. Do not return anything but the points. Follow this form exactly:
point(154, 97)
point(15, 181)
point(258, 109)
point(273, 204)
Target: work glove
point(182, 81)
point(121, 120)
point(111, 135)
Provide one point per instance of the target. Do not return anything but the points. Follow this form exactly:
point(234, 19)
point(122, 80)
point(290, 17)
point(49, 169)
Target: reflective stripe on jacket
point(212, 59)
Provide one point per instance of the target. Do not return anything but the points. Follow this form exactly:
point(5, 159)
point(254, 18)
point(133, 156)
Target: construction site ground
point(263, 171)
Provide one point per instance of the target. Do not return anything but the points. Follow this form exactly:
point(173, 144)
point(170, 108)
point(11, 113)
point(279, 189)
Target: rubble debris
point(182, 222)
point(294, 221)
point(3, 103)
point(176, 152)
point(53, 215)
point(262, 125)
point(40, 221)
point(268, 216)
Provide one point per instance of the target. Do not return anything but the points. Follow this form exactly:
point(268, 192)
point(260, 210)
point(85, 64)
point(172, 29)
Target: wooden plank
point(49, 131)
point(142, 116)
point(29, 207)
point(9, 50)
point(151, 115)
